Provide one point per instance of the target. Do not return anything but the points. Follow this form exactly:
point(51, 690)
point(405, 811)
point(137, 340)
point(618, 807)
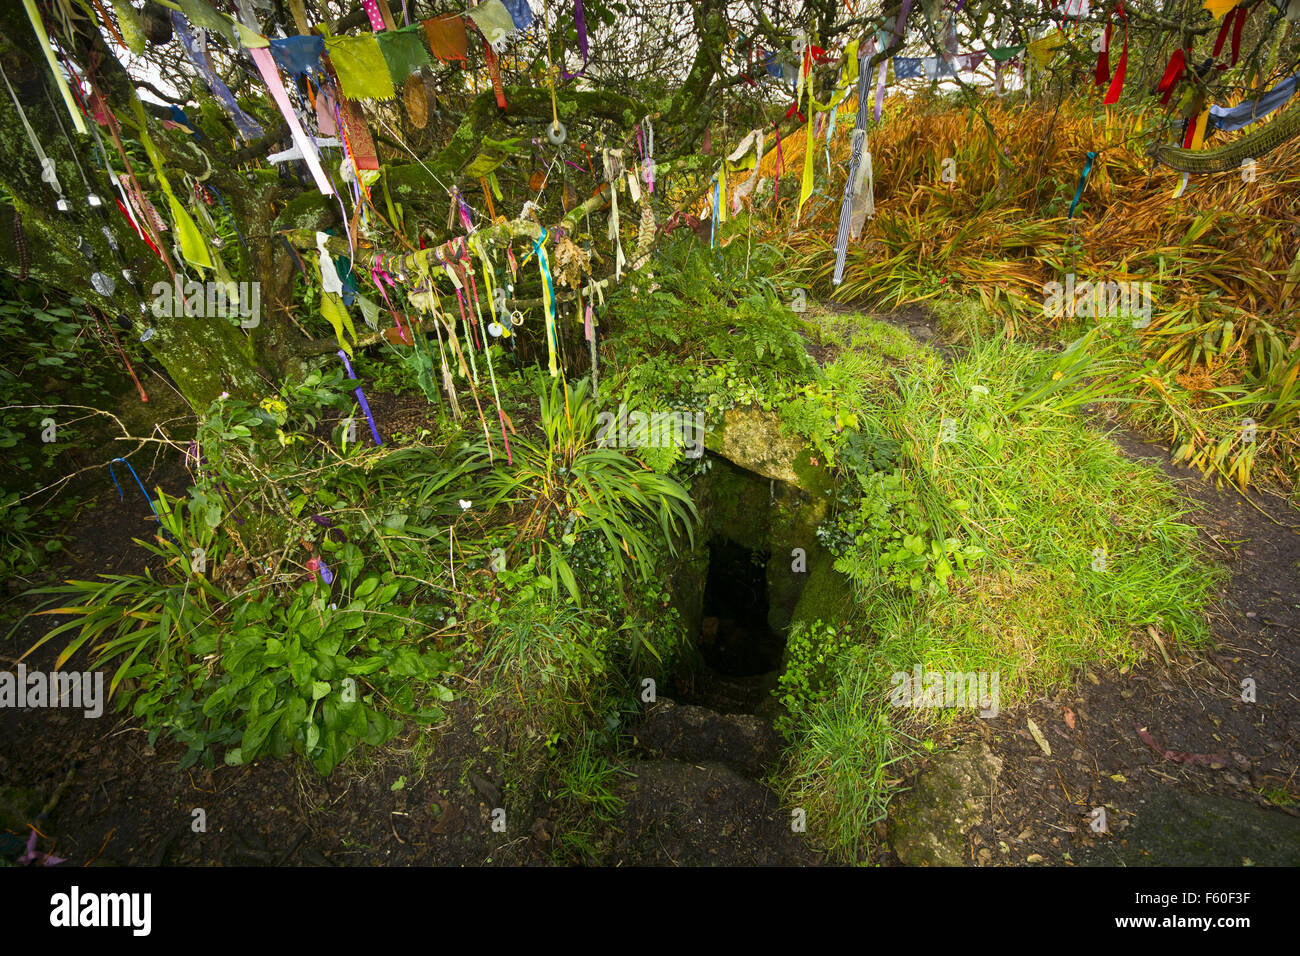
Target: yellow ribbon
point(194, 248)
point(332, 307)
point(1198, 137)
point(806, 187)
point(44, 37)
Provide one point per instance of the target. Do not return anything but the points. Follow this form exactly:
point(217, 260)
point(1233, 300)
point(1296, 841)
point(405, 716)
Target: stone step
point(679, 813)
point(744, 742)
point(734, 695)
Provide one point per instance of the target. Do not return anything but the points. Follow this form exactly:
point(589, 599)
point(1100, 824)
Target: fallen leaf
point(1119, 778)
point(1034, 858)
point(1159, 643)
point(1039, 738)
point(1213, 761)
point(1069, 718)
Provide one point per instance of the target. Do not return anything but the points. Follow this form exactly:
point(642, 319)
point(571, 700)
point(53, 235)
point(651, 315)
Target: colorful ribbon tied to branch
point(1083, 181)
point(361, 397)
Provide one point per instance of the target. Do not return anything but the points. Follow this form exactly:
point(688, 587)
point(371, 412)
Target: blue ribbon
point(247, 126)
point(122, 497)
point(717, 201)
point(1083, 181)
point(1243, 114)
point(546, 274)
point(361, 398)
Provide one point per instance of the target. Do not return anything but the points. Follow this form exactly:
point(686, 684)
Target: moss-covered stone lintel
point(755, 440)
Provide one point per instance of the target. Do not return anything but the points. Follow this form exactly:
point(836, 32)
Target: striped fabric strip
point(859, 138)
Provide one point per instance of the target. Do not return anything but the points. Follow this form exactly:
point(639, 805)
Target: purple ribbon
point(880, 87)
point(901, 29)
point(361, 398)
point(580, 19)
point(338, 534)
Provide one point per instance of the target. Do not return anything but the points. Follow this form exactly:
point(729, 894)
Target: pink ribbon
point(271, 75)
point(372, 11)
point(380, 276)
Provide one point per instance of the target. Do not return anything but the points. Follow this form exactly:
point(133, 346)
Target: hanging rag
point(494, 22)
point(522, 15)
point(247, 127)
point(1102, 75)
point(548, 299)
point(325, 114)
point(360, 66)
point(756, 139)
point(298, 55)
point(1083, 181)
point(447, 37)
point(806, 186)
point(1044, 49)
point(936, 66)
point(1173, 73)
point(580, 21)
point(44, 40)
point(361, 145)
point(613, 168)
point(361, 397)
point(1194, 140)
point(854, 185)
point(908, 67)
point(193, 248)
point(494, 71)
point(1227, 119)
point(404, 52)
point(203, 16)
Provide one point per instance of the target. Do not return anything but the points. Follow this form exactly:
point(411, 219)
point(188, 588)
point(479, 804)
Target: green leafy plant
point(259, 671)
point(565, 486)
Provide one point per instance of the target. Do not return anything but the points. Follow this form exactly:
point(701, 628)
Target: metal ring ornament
point(556, 134)
point(516, 318)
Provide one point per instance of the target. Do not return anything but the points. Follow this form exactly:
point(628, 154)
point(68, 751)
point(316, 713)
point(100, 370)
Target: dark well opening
point(735, 638)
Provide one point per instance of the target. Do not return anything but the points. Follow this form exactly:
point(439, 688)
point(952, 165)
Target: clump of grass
point(1070, 550)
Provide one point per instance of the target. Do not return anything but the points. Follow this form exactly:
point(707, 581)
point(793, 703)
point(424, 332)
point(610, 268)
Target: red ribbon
point(1103, 61)
point(1234, 21)
point(495, 71)
point(1177, 66)
point(1117, 83)
point(1236, 33)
